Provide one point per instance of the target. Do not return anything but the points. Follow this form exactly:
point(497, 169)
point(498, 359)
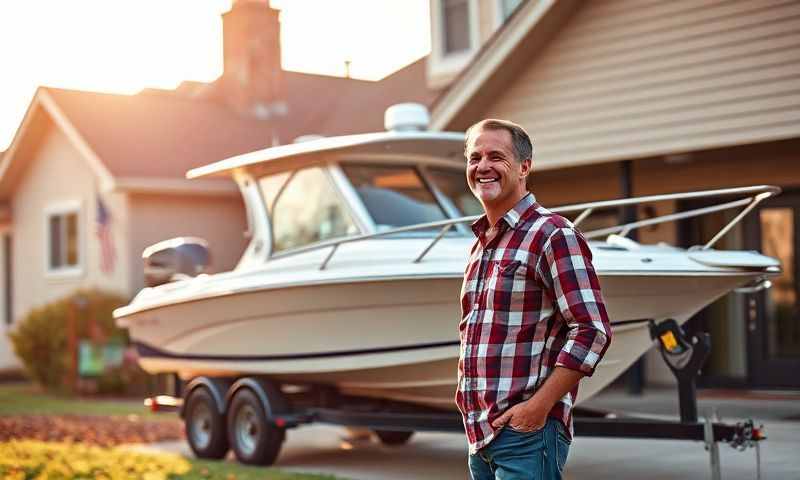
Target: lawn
point(202, 469)
point(27, 399)
point(29, 410)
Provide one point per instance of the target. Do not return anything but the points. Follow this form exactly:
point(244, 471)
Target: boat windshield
point(453, 185)
point(394, 196)
point(305, 208)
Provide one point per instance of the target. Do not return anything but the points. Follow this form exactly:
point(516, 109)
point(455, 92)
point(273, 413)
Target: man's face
point(493, 173)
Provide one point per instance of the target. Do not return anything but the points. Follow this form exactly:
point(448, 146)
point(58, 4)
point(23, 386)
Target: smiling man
point(533, 319)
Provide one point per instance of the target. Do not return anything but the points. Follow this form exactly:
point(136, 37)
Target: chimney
point(253, 78)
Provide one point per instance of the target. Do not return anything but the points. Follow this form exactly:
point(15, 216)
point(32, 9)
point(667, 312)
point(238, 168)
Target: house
point(84, 160)
point(624, 97)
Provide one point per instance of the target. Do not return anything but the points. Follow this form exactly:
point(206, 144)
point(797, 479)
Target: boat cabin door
point(755, 337)
point(773, 315)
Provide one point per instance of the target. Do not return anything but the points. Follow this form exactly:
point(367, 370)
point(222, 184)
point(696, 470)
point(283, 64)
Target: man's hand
point(527, 416)
point(531, 414)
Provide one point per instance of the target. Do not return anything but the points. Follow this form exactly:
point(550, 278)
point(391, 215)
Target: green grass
point(27, 399)
point(206, 470)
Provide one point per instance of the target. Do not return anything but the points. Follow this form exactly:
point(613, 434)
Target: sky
point(122, 46)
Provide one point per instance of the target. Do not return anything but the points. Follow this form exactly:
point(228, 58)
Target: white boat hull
point(393, 339)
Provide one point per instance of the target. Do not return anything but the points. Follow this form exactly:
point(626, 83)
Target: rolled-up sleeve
point(565, 267)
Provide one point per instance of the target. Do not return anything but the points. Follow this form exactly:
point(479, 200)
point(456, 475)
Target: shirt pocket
point(507, 288)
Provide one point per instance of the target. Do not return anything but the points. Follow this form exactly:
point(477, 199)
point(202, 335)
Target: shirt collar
point(512, 217)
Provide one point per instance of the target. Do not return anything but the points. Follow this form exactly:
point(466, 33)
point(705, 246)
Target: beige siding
point(634, 78)
point(56, 174)
point(219, 220)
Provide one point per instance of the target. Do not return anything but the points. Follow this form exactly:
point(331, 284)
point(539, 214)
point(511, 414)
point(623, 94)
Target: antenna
point(347, 64)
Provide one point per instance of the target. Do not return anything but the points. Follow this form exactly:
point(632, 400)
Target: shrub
point(41, 346)
point(40, 340)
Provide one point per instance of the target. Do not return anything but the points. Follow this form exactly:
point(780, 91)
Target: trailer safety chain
point(747, 436)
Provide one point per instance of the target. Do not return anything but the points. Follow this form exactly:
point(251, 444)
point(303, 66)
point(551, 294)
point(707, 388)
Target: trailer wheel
point(393, 437)
point(205, 426)
point(254, 440)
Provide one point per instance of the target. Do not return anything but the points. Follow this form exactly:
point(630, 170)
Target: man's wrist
point(539, 404)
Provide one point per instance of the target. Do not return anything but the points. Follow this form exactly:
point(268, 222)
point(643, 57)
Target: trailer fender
point(216, 386)
point(270, 397)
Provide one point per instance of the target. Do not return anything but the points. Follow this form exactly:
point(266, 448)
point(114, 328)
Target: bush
point(41, 346)
point(41, 338)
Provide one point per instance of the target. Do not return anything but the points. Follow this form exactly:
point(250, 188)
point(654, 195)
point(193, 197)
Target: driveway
point(329, 449)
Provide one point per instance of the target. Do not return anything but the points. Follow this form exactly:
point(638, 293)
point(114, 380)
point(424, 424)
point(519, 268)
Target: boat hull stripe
point(148, 351)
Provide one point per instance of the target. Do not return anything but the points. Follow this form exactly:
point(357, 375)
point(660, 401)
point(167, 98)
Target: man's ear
point(526, 167)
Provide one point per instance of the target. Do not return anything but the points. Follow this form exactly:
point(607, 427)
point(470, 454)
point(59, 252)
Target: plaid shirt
point(530, 302)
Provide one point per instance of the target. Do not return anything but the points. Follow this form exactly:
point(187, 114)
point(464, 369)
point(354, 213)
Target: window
point(63, 240)
point(8, 278)
point(507, 7)
point(394, 196)
point(453, 184)
point(308, 210)
point(456, 25)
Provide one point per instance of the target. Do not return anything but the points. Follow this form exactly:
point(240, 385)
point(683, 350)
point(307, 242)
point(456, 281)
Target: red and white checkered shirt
point(530, 302)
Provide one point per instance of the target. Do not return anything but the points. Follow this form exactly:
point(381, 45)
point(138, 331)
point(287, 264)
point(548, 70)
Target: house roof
point(499, 61)
point(156, 135)
point(150, 135)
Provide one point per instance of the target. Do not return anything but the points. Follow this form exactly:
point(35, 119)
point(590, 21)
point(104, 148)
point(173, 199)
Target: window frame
point(499, 13)
point(62, 209)
point(454, 60)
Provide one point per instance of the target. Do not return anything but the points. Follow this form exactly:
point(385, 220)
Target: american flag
point(108, 254)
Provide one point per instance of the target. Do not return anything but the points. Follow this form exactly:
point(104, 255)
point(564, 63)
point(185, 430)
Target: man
point(533, 319)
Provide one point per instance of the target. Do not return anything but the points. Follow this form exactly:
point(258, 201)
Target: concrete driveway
point(321, 449)
point(329, 449)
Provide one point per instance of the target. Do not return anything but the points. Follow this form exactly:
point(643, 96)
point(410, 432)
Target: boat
point(352, 274)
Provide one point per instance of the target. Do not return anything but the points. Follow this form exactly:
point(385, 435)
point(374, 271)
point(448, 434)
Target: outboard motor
point(175, 259)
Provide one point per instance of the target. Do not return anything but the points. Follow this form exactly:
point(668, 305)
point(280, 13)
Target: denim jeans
point(513, 455)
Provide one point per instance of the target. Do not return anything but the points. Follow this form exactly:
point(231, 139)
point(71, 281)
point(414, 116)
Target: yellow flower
point(55, 461)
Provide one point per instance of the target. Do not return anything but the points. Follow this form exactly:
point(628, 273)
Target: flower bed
point(30, 459)
point(94, 430)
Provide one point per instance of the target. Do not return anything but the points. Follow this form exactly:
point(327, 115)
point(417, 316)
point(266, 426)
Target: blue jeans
point(513, 455)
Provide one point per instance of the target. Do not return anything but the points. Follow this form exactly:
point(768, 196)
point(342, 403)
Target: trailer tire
point(205, 426)
point(393, 437)
point(253, 439)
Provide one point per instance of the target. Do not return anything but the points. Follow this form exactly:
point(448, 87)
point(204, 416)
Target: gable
point(42, 117)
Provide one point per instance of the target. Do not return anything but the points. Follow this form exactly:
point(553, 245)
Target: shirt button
point(475, 306)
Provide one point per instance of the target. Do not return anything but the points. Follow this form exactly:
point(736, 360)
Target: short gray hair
point(520, 140)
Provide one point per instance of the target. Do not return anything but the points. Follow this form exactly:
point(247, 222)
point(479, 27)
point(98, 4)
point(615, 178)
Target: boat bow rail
point(749, 198)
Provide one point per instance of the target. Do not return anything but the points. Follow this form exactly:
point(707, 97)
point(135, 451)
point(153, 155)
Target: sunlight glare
point(122, 46)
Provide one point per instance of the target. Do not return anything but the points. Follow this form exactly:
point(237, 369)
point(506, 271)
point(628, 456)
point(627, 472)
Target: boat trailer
point(684, 355)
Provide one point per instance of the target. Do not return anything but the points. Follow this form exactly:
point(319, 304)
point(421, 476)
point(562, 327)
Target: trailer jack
point(685, 356)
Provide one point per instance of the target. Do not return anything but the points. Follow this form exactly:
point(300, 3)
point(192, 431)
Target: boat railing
point(750, 198)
